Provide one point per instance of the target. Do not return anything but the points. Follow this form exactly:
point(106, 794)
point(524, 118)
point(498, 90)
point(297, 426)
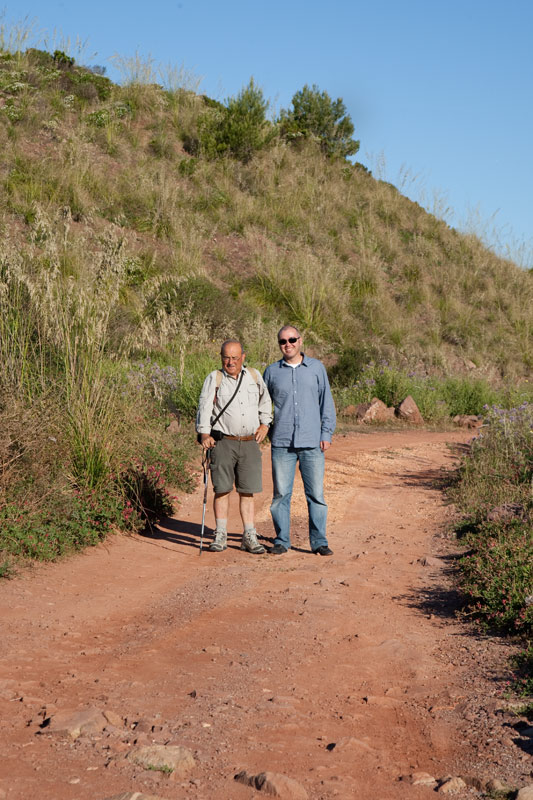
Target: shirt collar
point(304, 361)
point(231, 376)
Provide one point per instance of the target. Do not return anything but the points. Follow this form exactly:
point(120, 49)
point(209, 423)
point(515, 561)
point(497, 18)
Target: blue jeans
point(311, 464)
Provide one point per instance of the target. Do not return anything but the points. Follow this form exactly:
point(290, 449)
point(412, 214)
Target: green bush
point(435, 397)
point(499, 467)
point(315, 114)
point(349, 366)
point(196, 368)
point(204, 301)
point(239, 129)
point(467, 395)
point(62, 60)
point(175, 388)
point(390, 385)
point(493, 493)
point(67, 524)
point(523, 671)
point(498, 576)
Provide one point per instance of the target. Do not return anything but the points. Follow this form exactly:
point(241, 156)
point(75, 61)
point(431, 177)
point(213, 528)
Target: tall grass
point(438, 398)
point(68, 475)
point(72, 315)
point(494, 492)
point(119, 246)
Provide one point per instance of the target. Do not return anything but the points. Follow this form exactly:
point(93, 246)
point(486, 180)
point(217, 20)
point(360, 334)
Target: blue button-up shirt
point(304, 411)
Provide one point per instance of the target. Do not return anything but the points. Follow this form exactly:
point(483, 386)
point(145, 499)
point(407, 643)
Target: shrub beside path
point(337, 677)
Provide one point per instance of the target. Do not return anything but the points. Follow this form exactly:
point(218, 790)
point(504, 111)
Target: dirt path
point(339, 672)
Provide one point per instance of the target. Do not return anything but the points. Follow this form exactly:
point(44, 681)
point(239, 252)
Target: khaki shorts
point(236, 462)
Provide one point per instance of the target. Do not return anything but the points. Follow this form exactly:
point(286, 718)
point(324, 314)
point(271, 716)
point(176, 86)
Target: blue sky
point(441, 93)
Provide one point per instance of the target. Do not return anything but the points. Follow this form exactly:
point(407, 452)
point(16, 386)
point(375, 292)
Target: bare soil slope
point(343, 673)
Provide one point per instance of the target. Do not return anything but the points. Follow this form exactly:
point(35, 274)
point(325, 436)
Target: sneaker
point(278, 550)
point(220, 542)
point(323, 551)
point(250, 543)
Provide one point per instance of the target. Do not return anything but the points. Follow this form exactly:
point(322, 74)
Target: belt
point(240, 438)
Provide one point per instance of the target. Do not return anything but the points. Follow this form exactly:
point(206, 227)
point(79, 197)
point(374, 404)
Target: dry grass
point(343, 255)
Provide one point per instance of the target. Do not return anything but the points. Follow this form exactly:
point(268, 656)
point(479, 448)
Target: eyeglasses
point(291, 340)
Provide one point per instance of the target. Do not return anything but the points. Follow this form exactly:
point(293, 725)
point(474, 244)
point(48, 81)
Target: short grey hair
point(231, 341)
point(286, 328)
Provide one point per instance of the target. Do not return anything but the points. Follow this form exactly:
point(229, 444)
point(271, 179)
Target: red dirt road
point(251, 662)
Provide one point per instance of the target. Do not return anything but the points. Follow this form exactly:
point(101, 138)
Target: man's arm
point(328, 417)
point(264, 410)
point(205, 411)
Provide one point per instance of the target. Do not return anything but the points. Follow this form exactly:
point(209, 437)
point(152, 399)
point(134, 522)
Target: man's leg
point(246, 507)
point(248, 481)
point(249, 537)
point(283, 470)
point(221, 505)
point(222, 476)
point(312, 471)
point(221, 508)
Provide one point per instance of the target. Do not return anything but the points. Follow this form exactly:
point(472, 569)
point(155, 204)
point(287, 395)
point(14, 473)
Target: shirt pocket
point(253, 396)
point(223, 395)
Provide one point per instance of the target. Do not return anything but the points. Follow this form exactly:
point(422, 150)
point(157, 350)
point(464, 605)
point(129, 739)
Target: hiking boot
point(250, 543)
point(323, 551)
point(278, 550)
point(220, 542)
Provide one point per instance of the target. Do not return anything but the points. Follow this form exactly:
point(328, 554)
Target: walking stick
point(206, 462)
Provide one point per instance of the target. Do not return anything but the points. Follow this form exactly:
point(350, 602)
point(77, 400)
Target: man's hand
point(260, 433)
point(207, 441)
point(324, 446)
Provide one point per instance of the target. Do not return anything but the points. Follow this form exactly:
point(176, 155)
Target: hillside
point(136, 238)
point(227, 246)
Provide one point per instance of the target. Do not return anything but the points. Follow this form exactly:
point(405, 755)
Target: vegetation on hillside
point(141, 225)
point(494, 492)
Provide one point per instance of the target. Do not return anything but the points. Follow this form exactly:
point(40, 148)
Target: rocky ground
point(142, 667)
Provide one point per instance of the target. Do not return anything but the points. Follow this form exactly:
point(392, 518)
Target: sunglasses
point(292, 340)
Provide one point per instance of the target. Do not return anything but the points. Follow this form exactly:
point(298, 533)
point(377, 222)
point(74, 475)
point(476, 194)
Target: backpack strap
point(254, 373)
point(219, 381)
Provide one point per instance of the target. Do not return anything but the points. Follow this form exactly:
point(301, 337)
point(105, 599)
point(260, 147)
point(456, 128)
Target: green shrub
point(240, 129)
point(187, 167)
point(523, 671)
point(147, 480)
point(6, 568)
point(435, 397)
point(62, 60)
point(499, 467)
point(196, 368)
point(86, 85)
point(67, 524)
point(350, 365)
point(467, 395)
point(39, 58)
point(493, 492)
point(498, 576)
point(315, 114)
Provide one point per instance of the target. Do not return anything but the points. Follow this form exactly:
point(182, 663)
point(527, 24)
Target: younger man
point(304, 421)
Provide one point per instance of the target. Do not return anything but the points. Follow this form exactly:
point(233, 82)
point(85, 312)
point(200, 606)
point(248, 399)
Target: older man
point(304, 421)
point(237, 398)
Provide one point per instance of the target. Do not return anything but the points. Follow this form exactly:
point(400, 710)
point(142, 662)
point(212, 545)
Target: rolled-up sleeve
point(205, 404)
point(328, 417)
point(265, 403)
